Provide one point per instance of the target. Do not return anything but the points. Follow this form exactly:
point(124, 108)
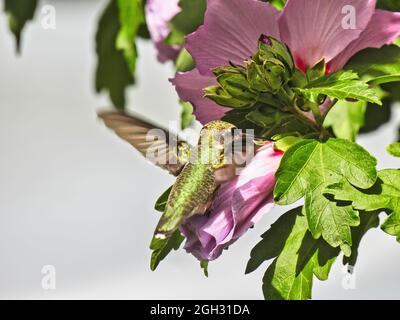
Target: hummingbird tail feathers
point(169, 223)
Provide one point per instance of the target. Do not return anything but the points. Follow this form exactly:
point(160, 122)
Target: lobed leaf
point(341, 85)
point(298, 256)
point(308, 168)
point(384, 195)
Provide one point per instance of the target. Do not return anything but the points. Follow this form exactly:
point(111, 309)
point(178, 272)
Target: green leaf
point(204, 266)
point(19, 12)
point(162, 200)
point(341, 85)
point(394, 149)
point(376, 116)
point(131, 17)
point(368, 220)
point(377, 66)
point(316, 72)
point(238, 118)
point(298, 258)
point(384, 195)
point(286, 142)
point(162, 247)
point(112, 73)
point(187, 116)
point(279, 4)
point(392, 5)
point(346, 119)
point(184, 62)
point(310, 166)
point(187, 21)
point(274, 122)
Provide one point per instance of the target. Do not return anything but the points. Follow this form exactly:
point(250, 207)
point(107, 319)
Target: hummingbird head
point(216, 140)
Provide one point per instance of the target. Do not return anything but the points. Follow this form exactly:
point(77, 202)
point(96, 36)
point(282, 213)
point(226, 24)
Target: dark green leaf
point(346, 119)
point(275, 122)
point(131, 17)
point(376, 116)
point(204, 266)
point(392, 5)
point(308, 168)
point(238, 118)
point(316, 72)
point(187, 21)
point(368, 220)
point(112, 73)
point(298, 257)
point(384, 195)
point(377, 66)
point(19, 13)
point(162, 247)
point(273, 241)
point(162, 200)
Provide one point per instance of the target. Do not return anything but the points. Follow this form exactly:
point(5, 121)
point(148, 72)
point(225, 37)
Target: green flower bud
point(220, 96)
point(271, 67)
point(259, 80)
point(233, 90)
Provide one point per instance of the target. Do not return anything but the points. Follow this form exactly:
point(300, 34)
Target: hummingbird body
point(197, 168)
point(195, 186)
point(193, 189)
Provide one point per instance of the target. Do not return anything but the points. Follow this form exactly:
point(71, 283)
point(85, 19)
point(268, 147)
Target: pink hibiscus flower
point(158, 15)
point(238, 205)
point(312, 29)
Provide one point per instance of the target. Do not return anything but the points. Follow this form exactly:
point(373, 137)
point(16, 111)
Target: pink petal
point(230, 32)
point(264, 206)
point(238, 205)
point(383, 28)
point(189, 86)
point(255, 182)
point(158, 15)
point(265, 161)
point(313, 29)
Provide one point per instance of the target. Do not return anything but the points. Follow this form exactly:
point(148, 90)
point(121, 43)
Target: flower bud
point(271, 67)
point(233, 90)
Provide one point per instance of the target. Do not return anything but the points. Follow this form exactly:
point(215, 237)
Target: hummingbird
point(199, 169)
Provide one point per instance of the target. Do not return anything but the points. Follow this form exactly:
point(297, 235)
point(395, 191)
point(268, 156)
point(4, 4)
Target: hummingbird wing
point(158, 145)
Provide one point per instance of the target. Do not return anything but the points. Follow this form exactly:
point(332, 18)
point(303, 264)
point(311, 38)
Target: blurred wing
point(158, 145)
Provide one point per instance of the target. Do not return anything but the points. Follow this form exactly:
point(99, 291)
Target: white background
point(74, 196)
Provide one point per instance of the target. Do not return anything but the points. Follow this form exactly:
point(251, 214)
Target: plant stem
point(329, 109)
